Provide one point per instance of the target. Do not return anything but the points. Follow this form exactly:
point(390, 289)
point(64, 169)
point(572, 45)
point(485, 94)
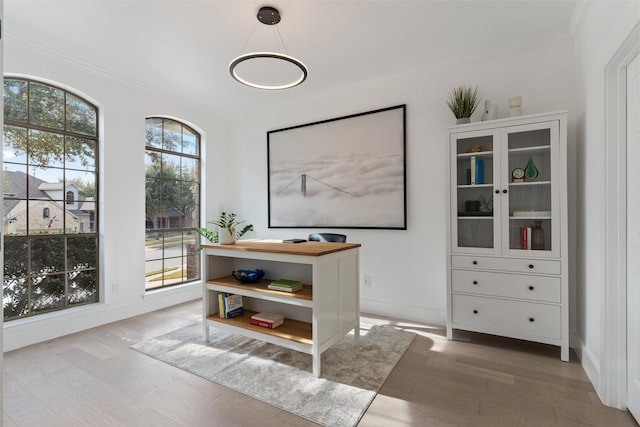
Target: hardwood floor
point(93, 379)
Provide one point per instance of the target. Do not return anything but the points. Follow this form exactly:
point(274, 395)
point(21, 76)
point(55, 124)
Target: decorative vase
point(515, 106)
point(490, 111)
point(226, 236)
point(463, 120)
point(530, 172)
point(537, 236)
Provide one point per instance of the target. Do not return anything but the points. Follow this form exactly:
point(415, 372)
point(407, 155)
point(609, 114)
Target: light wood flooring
point(93, 379)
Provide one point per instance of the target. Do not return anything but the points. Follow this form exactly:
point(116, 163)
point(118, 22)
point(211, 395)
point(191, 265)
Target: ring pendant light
point(269, 16)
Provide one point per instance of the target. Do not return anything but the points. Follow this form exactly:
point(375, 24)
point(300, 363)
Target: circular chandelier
point(286, 78)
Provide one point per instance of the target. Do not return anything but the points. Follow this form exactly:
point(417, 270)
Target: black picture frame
point(346, 172)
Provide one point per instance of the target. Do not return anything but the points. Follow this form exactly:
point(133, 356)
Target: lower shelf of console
point(291, 330)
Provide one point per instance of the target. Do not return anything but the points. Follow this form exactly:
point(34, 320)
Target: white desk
point(315, 318)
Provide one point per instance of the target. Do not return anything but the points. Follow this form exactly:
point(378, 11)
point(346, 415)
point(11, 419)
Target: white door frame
point(613, 331)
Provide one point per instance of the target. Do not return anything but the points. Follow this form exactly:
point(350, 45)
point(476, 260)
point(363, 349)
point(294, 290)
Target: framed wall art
point(347, 172)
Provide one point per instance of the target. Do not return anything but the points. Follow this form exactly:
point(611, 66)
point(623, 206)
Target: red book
point(264, 324)
point(524, 238)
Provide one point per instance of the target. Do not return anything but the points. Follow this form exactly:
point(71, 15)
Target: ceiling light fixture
point(274, 70)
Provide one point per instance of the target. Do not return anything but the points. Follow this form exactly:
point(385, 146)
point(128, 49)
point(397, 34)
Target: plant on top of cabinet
point(463, 101)
point(227, 233)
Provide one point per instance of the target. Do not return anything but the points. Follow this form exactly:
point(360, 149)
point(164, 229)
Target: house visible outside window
point(50, 247)
point(70, 198)
point(172, 165)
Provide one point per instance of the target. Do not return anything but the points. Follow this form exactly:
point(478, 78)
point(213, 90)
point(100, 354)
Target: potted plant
point(463, 101)
point(228, 231)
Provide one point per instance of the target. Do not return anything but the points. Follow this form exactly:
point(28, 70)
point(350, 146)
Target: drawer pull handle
point(475, 311)
point(475, 282)
point(475, 262)
point(531, 319)
point(504, 191)
point(530, 265)
point(530, 288)
point(497, 191)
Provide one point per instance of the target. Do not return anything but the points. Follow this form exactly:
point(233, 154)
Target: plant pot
point(226, 237)
point(463, 120)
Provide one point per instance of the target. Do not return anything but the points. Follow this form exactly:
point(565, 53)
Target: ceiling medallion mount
point(268, 15)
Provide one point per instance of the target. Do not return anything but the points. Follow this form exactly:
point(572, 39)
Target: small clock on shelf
point(517, 175)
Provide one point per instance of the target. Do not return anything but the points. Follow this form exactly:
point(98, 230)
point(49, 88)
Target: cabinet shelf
point(529, 183)
point(467, 186)
point(530, 149)
point(259, 289)
point(477, 154)
point(291, 330)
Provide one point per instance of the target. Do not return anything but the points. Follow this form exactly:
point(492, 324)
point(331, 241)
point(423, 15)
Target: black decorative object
point(248, 276)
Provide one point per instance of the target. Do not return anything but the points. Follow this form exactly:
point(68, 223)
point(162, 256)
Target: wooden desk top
point(278, 247)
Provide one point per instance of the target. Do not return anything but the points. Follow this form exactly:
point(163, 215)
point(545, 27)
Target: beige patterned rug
point(352, 373)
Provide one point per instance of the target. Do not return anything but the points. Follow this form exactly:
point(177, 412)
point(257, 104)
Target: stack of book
point(285, 285)
point(525, 237)
point(230, 305)
point(477, 170)
point(267, 320)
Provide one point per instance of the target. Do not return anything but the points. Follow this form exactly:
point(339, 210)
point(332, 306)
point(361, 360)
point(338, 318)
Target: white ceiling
point(183, 47)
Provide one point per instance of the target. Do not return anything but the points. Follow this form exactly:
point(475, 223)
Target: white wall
point(603, 27)
point(407, 268)
point(123, 108)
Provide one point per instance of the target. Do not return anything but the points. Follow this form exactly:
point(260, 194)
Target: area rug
point(352, 373)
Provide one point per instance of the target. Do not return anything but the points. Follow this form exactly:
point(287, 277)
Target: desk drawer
point(518, 319)
point(517, 265)
point(530, 287)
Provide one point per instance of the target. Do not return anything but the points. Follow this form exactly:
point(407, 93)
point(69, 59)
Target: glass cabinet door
point(528, 172)
point(475, 159)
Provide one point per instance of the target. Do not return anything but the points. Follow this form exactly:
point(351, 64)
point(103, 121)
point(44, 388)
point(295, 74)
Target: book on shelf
point(267, 320)
point(477, 170)
point(525, 238)
point(230, 305)
point(285, 285)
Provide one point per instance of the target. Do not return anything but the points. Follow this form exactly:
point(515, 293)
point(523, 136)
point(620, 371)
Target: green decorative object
point(531, 171)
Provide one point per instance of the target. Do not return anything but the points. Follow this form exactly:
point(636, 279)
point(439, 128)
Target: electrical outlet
point(367, 281)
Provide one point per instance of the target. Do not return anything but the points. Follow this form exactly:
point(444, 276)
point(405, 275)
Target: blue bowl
point(248, 276)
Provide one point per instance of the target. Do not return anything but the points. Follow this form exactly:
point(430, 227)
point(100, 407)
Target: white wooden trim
point(613, 367)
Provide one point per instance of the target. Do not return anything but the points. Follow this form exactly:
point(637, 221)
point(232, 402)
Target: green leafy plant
point(228, 221)
point(463, 101)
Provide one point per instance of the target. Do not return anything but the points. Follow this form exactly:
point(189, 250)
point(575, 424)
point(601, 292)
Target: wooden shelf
point(292, 330)
point(261, 287)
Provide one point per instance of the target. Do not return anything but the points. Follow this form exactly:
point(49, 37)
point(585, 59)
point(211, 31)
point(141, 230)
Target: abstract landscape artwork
point(347, 172)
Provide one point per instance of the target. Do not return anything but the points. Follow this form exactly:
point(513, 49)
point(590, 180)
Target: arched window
point(70, 198)
point(50, 142)
point(172, 190)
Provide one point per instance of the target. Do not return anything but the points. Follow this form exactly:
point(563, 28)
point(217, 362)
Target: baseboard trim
point(588, 361)
point(24, 332)
point(406, 312)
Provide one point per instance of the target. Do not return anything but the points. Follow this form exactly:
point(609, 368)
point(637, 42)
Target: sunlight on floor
point(436, 334)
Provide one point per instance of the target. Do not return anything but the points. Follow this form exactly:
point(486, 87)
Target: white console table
point(317, 317)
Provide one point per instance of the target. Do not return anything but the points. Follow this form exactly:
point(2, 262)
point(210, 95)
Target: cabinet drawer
point(517, 319)
point(535, 288)
point(519, 265)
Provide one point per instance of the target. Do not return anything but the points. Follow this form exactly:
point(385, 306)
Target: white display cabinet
point(508, 270)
